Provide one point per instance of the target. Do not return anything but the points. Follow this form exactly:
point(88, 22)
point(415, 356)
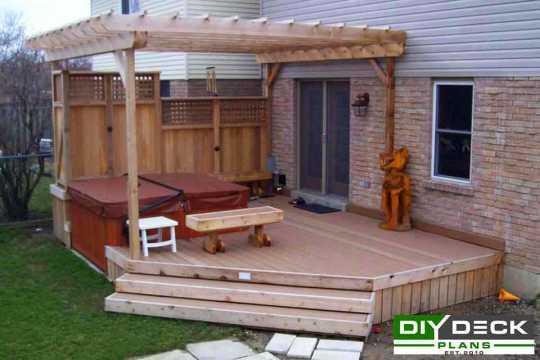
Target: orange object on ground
point(507, 296)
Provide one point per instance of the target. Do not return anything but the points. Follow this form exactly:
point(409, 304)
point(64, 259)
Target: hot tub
point(99, 207)
point(202, 193)
point(98, 211)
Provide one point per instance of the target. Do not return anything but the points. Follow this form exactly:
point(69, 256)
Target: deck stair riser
point(257, 316)
point(248, 293)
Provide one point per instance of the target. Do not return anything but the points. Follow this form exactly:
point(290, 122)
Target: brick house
point(467, 107)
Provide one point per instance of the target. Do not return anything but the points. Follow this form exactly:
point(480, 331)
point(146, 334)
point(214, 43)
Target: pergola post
point(387, 78)
point(216, 125)
point(390, 106)
point(271, 74)
point(132, 166)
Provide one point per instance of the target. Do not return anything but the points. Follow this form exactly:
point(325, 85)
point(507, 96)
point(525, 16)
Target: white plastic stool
point(157, 223)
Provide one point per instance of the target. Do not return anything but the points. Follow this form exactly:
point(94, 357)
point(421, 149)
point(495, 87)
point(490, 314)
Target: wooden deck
point(406, 272)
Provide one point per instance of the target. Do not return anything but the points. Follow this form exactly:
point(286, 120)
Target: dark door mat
point(316, 208)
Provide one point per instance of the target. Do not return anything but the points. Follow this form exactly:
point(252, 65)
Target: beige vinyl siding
point(172, 65)
point(181, 65)
point(102, 6)
point(163, 7)
point(228, 66)
point(242, 8)
point(444, 38)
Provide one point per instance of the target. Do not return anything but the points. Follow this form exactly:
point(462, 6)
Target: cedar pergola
point(273, 43)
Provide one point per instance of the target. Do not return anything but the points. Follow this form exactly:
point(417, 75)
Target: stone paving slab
point(280, 343)
point(335, 355)
point(261, 356)
point(220, 350)
point(340, 345)
point(302, 348)
point(170, 355)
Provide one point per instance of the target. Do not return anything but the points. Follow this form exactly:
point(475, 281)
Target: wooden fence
point(227, 137)
point(224, 136)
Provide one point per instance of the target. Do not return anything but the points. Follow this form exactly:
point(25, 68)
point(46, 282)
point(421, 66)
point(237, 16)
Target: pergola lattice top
point(271, 42)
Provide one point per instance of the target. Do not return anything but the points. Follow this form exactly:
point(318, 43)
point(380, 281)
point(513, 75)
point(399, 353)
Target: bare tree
point(25, 113)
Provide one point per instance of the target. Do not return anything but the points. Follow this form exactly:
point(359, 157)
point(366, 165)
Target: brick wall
point(504, 199)
point(284, 129)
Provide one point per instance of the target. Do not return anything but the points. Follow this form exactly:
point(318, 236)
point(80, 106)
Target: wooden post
point(272, 72)
point(216, 121)
point(66, 161)
point(159, 123)
point(132, 165)
point(109, 114)
point(390, 106)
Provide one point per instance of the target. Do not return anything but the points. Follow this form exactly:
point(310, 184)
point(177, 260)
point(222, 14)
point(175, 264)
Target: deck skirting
point(436, 293)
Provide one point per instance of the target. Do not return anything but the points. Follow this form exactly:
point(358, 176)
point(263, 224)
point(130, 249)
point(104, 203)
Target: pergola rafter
point(272, 43)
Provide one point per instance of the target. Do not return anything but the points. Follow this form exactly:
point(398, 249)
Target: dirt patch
point(379, 346)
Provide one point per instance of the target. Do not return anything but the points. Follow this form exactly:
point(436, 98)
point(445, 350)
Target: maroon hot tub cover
point(203, 192)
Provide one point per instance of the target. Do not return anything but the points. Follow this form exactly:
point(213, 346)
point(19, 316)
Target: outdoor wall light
point(360, 105)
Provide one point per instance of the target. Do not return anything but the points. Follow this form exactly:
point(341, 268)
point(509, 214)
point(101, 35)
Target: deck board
point(338, 244)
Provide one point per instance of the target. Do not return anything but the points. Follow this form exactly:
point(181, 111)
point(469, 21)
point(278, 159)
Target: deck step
point(258, 316)
point(247, 293)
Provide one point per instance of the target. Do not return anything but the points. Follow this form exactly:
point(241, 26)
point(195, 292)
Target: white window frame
point(434, 176)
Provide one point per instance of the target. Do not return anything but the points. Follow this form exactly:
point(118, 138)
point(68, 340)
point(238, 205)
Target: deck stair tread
point(260, 316)
point(245, 292)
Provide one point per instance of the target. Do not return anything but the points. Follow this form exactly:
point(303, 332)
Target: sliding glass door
point(324, 136)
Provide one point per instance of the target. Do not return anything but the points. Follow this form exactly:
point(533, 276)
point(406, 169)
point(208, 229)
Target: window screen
point(453, 130)
point(165, 88)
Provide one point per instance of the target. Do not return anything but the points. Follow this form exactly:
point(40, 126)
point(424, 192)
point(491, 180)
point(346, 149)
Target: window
point(130, 6)
point(452, 129)
point(165, 88)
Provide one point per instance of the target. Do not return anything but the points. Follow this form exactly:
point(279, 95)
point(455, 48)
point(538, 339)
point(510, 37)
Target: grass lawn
point(52, 308)
point(41, 202)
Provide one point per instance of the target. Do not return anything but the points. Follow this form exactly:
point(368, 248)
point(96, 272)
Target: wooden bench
point(212, 222)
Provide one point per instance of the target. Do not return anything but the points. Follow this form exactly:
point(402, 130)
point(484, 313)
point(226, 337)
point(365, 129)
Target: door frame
point(298, 88)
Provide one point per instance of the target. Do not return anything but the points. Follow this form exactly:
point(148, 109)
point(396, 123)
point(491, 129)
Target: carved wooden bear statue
point(396, 190)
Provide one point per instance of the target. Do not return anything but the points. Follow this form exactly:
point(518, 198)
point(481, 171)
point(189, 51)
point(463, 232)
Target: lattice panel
point(243, 111)
point(144, 87)
point(186, 111)
point(87, 87)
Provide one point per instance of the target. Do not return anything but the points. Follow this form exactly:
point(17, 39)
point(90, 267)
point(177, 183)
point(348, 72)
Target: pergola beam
point(94, 47)
point(326, 54)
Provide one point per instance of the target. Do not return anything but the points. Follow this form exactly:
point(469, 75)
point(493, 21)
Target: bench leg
point(259, 238)
point(213, 243)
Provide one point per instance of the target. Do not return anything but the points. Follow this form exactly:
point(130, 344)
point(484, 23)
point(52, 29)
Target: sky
point(43, 15)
